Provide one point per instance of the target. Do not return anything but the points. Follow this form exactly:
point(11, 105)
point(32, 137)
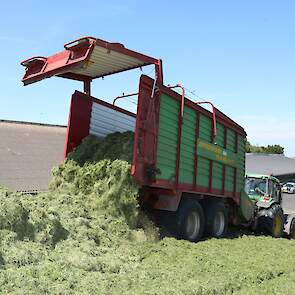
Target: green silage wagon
point(187, 160)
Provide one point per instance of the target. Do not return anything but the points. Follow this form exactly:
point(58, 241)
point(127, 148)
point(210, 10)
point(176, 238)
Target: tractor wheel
point(216, 219)
point(292, 229)
point(190, 220)
point(274, 222)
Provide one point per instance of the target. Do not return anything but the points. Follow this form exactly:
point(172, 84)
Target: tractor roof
point(85, 59)
point(262, 176)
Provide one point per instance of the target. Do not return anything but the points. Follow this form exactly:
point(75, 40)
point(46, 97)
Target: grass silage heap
point(87, 236)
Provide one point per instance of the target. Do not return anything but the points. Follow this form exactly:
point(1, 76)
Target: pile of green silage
point(87, 236)
point(114, 146)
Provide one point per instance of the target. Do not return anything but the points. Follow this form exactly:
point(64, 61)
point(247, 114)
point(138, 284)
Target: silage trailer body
point(173, 152)
point(181, 150)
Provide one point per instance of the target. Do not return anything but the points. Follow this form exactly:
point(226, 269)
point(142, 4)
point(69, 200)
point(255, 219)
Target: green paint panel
point(188, 144)
point(217, 175)
point(203, 172)
point(205, 128)
point(202, 146)
point(220, 135)
point(230, 140)
point(229, 179)
point(167, 139)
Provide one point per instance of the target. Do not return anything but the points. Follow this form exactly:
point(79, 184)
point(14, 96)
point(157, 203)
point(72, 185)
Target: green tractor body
point(265, 193)
point(263, 190)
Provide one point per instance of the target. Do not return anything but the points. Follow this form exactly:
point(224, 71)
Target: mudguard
point(247, 207)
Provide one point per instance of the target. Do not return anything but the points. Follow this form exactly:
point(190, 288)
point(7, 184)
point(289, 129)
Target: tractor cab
point(263, 189)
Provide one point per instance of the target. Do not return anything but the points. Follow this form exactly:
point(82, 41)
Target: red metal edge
point(79, 118)
point(66, 144)
point(145, 131)
point(85, 38)
point(62, 68)
point(167, 202)
point(63, 55)
point(33, 59)
point(136, 132)
point(179, 134)
point(78, 121)
point(190, 188)
point(168, 199)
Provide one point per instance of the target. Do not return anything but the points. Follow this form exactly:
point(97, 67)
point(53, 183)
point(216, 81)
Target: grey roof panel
point(270, 164)
point(28, 152)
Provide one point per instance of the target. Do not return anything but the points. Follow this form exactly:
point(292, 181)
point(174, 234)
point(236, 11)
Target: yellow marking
point(211, 148)
point(219, 155)
point(224, 159)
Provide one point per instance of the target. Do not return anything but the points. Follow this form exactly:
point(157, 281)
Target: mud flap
point(247, 207)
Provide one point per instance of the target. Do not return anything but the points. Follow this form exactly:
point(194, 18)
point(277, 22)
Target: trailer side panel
point(207, 164)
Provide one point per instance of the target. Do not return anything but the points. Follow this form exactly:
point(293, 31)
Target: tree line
point(269, 149)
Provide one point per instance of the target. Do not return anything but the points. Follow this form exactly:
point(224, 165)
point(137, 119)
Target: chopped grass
point(88, 236)
point(113, 147)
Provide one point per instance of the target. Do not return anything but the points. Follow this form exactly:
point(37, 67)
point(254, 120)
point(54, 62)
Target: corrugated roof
point(103, 62)
point(269, 164)
point(28, 151)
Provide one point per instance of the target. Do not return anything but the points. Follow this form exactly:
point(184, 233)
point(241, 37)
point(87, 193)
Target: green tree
point(270, 149)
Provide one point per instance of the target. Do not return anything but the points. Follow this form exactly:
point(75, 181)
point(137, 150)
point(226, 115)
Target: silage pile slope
point(87, 236)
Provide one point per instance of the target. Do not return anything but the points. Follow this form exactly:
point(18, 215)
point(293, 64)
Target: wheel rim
point(218, 224)
point(277, 225)
point(193, 225)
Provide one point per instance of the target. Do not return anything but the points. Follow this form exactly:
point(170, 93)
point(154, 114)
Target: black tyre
point(190, 220)
point(292, 229)
point(216, 219)
point(167, 221)
point(273, 223)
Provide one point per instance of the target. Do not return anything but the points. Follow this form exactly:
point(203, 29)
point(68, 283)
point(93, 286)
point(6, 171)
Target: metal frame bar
point(124, 95)
point(87, 87)
point(213, 114)
point(180, 122)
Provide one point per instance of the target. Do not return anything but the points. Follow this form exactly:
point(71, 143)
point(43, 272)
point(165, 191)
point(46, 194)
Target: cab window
point(271, 190)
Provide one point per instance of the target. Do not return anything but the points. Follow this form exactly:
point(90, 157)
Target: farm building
point(280, 166)
point(28, 151)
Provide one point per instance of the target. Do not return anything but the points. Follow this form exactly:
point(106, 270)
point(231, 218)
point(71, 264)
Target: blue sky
point(241, 54)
